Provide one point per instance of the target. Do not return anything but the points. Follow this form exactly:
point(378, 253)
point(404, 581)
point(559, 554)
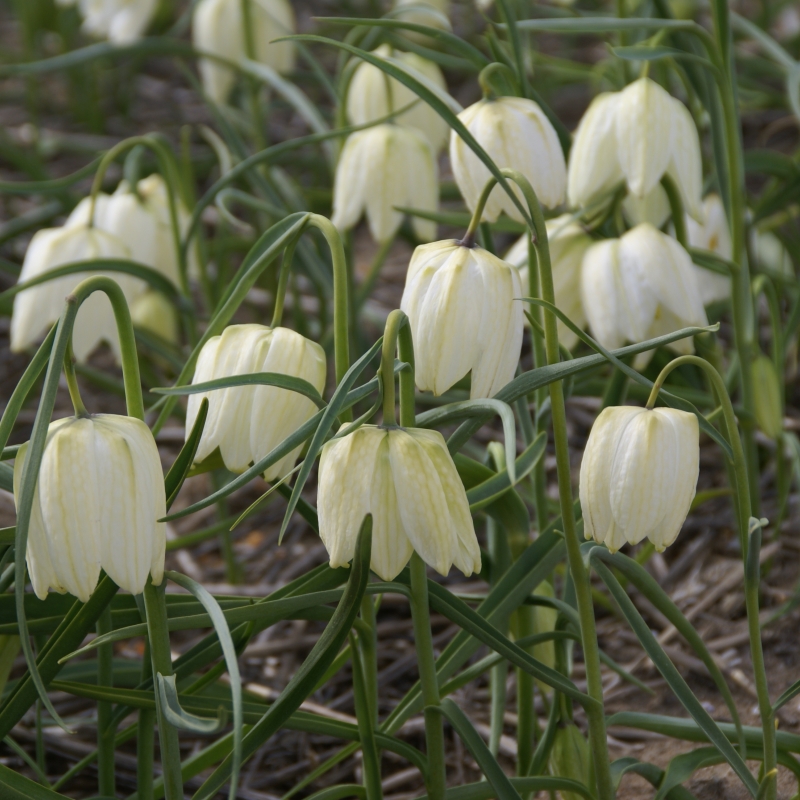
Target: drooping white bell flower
point(515, 133)
point(713, 235)
point(431, 13)
point(769, 251)
point(568, 243)
point(37, 308)
point(639, 475)
point(463, 307)
point(640, 286)
point(120, 21)
point(99, 494)
point(381, 168)
point(373, 94)
point(248, 422)
point(653, 207)
point(637, 136)
point(155, 313)
point(218, 27)
point(405, 478)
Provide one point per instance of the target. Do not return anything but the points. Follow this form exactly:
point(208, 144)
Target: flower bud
point(381, 168)
point(713, 235)
point(218, 27)
point(640, 286)
point(568, 243)
point(98, 497)
point(544, 621)
point(767, 397)
point(571, 758)
point(155, 313)
point(515, 133)
point(248, 422)
point(37, 308)
point(462, 304)
point(637, 135)
point(405, 478)
point(639, 475)
point(373, 94)
point(119, 21)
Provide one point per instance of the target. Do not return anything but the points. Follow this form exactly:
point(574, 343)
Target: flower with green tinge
point(153, 312)
point(247, 422)
point(770, 252)
point(767, 397)
point(515, 133)
point(382, 168)
point(98, 499)
point(372, 94)
point(405, 478)
point(464, 310)
point(119, 21)
point(37, 308)
point(713, 235)
point(653, 207)
point(218, 28)
point(637, 136)
point(568, 243)
point(639, 475)
point(431, 13)
point(640, 286)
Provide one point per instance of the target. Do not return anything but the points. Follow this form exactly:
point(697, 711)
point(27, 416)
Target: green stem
point(676, 210)
point(106, 766)
point(580, 574)
point(750, 545)
point(145, 732)
point(283, 282)
point(364, 715)
point(158, 636)
point(475, 221)
point(434, 730)
point(72, 383)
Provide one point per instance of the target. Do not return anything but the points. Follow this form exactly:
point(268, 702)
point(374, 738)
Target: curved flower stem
point(676, 210)
point(486, 75)
point(580, 574)
point(341, 300)
point(283, 282)
point(475, 221)
point(158, 636)
point(72, 382)
point(750, 544)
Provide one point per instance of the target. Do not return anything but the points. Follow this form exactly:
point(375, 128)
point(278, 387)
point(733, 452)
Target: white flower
point(99, 494)
point(515, 133)
point(155, 313)
point(248, 422)
point(568, 243)
point(405, 478)
point(432, 13)
point(713, 235)
point(637, 136)
point(372, 94)
point(465, 315)
point(769, 251)
point(380, 169)
point(653, 207)
point(120, 21)
point(37, 308)
point(638, 475)
point(640, 286)
point(218, 28)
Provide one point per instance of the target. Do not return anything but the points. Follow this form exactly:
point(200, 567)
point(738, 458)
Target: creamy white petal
point(713, 235)
point(686, 163)
point(350, 182)
point(653, 207)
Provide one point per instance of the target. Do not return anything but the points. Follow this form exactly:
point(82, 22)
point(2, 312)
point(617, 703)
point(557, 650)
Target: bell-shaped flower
point(713, 235)
point(98, 499)
point(405, 478)
point(120, 21)
point(218, 28)
point(382, 168)
point(653, 207)
point(770, 253)
point(373, 94)
point(464, 310)
point(639, 475)
point(153, 312)
point(431, 13)
point(568, 243)
point(637, 136)
point(248, 422)
point(640, 286)
point(515, 133)
point(37, 308)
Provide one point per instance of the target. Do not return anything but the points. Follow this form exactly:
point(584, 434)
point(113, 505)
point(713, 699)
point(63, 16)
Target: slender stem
point(750, 545)
point(366, 723)
point(393, 323)
point(105, 734)
point(341, 303)
point(158, 635)
point(283, 282)
point(72, 383)
point(475, 221)
point(676, 210)
point(434, 730)
point(580, 575)
point(146, 725)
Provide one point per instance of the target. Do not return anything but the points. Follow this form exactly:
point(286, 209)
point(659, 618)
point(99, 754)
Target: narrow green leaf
point(179, 718)
point(174, 479)
point(682, 767)
point(603, 24)
point(14, 786)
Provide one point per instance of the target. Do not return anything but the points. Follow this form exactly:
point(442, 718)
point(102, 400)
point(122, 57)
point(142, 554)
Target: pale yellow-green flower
point(120, 21)
point(248, 422)
point(465, 314)
point(713, 235)
point(99, 494)
point(405, 478)
point(639, 475)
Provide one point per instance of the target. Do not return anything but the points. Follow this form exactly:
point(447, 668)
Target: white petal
point(686, 164)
